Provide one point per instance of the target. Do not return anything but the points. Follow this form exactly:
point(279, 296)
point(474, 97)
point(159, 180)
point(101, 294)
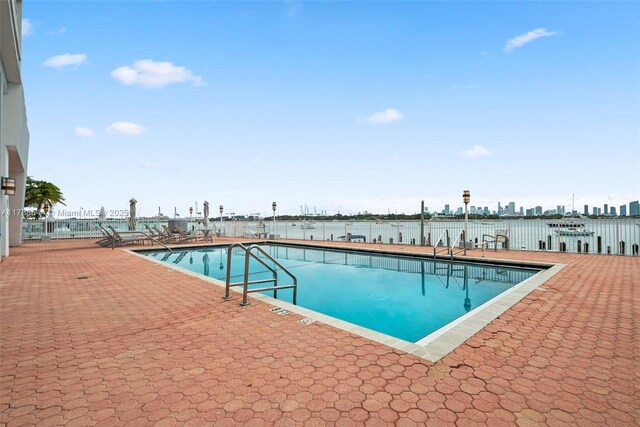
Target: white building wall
point(14, 133)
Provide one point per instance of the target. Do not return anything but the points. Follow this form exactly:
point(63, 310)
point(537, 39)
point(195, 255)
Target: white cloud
point(523, 39)
point(293, 8)
point(58, 32)
point(81, 132)
point(60, 61)
point(156, 74)
point(389, 115)
point(27, 27)
point(126, 128)
point(476, 151)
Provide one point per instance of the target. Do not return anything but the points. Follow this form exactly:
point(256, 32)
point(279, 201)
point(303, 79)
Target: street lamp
point(190, 215)
point(274, 205)
point(221, 221)
point(466, 197)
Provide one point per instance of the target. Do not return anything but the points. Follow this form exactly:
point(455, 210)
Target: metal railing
point(248, 255)
point(615, 236)
point(438, 243)
point(452, 251)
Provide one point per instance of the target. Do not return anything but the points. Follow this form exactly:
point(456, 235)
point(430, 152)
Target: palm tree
point(39, 194)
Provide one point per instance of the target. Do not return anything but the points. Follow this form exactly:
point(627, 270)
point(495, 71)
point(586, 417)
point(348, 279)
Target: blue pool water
point(405, 297)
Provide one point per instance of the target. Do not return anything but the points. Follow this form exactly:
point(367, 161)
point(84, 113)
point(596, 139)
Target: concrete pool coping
point(432, 347)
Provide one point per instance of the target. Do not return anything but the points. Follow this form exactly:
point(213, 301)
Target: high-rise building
point(623, 210)
point(634, 208)
point(586, 210)
point(606, 209)
point(538, 210)
point(512, 208)
point(446, 209)
point(595, 210)
point(612, 212)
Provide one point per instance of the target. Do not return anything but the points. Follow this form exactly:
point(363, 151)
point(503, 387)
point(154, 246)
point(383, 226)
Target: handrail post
point(228, 281)
point(275, 283)
point(227, 287)
point(245, 288)
point(295, 291)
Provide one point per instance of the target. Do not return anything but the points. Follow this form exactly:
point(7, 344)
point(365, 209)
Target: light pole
point(466, 197)
point(221, 221)
point(190, 216)
point(275, 229)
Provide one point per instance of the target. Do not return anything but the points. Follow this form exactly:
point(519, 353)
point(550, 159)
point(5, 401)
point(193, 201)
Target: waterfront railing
point(618, 236)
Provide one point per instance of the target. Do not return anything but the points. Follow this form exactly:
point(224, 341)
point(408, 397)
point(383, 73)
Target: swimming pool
point(404, 297)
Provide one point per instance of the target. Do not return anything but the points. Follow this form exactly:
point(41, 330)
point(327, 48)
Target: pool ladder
point(250, 252)
point(449, 247)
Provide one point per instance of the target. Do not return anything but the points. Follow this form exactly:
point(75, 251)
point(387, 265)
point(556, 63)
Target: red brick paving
point(137, 344)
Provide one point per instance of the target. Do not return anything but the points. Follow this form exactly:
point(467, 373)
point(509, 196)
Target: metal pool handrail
point(275, 287)
point(245, 283)
point(446, 246)
point(455, 242)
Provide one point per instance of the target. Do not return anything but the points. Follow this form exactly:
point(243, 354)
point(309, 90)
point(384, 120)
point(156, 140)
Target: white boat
point(570, 225)
point(568, 221)
point(574, 232)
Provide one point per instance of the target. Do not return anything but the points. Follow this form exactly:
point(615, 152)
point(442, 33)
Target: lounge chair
point(177, 235)
point(152, 232)
point(106, 239)
point(162, 236)
point(169, 235)
point(500, 236)
point(119, 240)
point(183, 236)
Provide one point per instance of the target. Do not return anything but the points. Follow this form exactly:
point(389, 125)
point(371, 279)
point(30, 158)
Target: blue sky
point(346, 106)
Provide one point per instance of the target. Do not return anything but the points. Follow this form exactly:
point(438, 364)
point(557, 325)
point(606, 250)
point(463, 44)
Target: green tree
point(39, 194)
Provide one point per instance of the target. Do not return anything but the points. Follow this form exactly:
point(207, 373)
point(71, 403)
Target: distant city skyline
point(512, 209)
point(509, 209)
point(346, 106)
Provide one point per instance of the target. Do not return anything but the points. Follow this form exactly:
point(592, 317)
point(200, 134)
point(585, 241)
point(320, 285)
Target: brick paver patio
point(99, 336)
